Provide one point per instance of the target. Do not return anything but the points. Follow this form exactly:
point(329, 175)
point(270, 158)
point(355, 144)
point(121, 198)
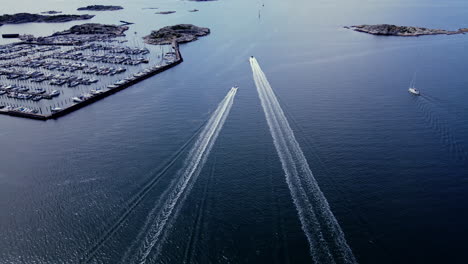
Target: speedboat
point(235, 87)
point(414, 91)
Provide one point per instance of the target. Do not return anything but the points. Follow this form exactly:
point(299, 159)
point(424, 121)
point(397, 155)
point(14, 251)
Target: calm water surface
point(393, 167)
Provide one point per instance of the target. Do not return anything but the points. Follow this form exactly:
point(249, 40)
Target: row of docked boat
point(10, 52)
point(101, 58)
point(24, 93)
point(134, 76)
point(20, 109)
point(55, 65)
point(94, 92)
point(104, 70)
point(115, 49)
point(54, 79)
point(86, 96)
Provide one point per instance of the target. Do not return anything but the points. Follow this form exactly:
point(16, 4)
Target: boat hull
point(413, 91)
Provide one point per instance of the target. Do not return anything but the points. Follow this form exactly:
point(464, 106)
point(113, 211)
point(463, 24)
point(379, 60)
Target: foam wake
point(327, 242)
point(158, 223)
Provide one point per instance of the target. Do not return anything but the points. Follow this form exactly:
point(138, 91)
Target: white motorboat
point(412, 89)
point(77, 100)
point(54, 93)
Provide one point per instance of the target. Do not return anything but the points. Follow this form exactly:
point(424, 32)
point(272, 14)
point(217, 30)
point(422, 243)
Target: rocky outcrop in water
point(100, 8)
point(165, 12)
point(95, 29)
point(21, 18)
point(52, 12)
point(181, 33)
point(404, 31)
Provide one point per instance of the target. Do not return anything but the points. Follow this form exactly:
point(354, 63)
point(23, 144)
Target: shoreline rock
point(402, 31)
point(181, 33)
point(100, 8)
point(165, 12)
point(21, 18)
point(94, 29)
point(52, 12)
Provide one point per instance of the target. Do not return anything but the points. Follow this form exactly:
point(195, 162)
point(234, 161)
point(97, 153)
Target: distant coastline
point(100, 8)
point(402, 31)
point(21, 18)
point(165, 12)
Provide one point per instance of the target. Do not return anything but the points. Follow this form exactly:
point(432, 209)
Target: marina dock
point(55, 64)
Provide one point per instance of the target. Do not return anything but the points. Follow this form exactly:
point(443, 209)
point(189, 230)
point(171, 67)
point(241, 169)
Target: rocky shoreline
point(181, 33)
point(94, 29)
point(21, 18)
point(100, 8)
point(402, 31)
point(165, 12)
point(52, 12)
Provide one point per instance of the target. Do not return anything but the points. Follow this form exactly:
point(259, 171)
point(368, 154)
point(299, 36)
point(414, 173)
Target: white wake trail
point(327, 243)
point(195, 162)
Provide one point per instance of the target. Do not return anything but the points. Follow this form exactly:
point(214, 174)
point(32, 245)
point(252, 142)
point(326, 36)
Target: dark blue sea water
point(393, 167)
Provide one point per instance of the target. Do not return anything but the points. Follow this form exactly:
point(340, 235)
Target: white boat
point(54, 93)
point(412, 89)
point(97, 91)
point(121, 82)
point(77, 100)
point(55, 109)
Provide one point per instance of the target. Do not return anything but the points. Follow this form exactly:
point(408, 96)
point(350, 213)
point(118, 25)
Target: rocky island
point(403, 31)
point(181, 33)
point(165, 12)
point(100, 8)
point(94, 29)
point(21, 18)
point(52, 12)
